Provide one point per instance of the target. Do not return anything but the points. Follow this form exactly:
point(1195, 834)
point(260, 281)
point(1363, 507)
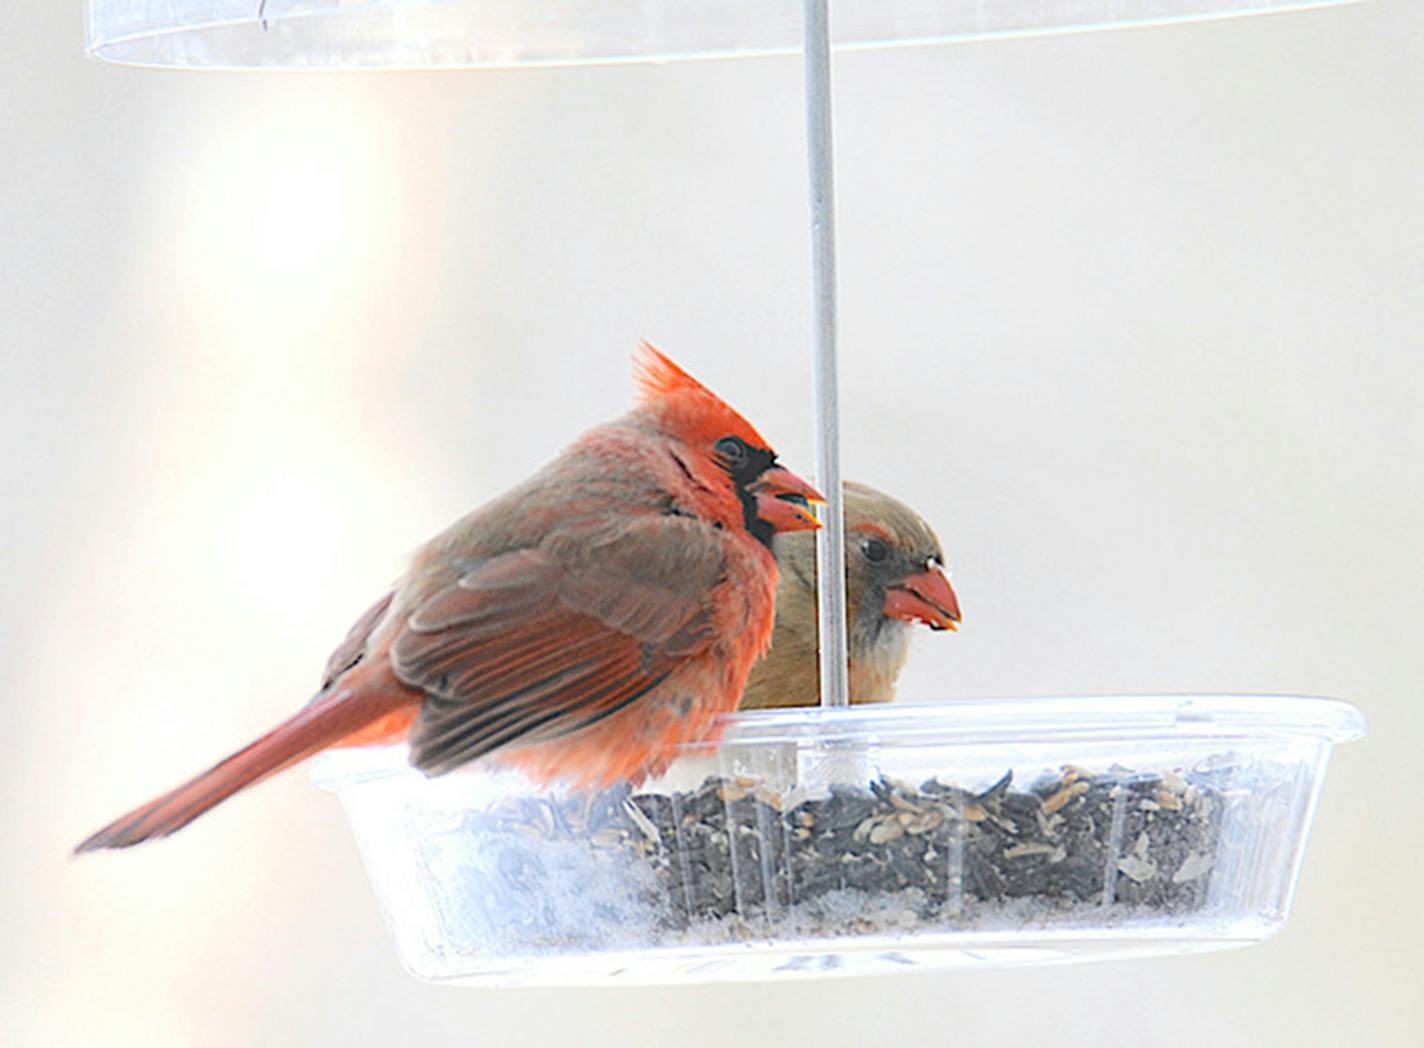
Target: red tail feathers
point(330, 719)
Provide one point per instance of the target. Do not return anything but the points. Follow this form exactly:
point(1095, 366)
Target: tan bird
point(894, 578)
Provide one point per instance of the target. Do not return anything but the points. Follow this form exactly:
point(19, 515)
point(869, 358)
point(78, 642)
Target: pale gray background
point(1133, 318)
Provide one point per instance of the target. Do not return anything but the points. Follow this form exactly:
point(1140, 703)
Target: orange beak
point(926, 597)
point(782, 499)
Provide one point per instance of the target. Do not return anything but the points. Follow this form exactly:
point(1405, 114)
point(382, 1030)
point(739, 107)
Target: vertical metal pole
point(830, 541)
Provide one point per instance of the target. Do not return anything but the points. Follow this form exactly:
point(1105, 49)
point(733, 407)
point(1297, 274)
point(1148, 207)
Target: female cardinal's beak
point(926, 597)
point(782, 499)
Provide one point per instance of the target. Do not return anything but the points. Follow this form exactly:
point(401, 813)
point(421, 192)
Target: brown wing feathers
point(580, 645)
point(524, 646)
point(353, 648)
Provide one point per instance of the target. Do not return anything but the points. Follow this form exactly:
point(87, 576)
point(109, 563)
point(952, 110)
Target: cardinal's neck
point(875, 663)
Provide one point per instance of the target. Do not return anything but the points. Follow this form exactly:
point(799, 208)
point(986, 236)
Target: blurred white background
point(1133, 318)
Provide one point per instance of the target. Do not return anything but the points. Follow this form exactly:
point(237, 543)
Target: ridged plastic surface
point(472, 33)
point(947, 835)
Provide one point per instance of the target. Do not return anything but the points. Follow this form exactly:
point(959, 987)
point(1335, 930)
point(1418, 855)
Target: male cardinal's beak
point(782, 498)
point(926, 597)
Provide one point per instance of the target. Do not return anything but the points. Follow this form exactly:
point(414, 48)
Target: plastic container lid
point(411, 34)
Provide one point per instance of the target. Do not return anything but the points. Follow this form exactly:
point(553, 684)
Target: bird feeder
point(809, 840)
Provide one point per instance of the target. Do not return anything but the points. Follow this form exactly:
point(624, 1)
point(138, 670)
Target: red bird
point(581, 626)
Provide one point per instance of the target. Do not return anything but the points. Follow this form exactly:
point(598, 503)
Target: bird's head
point(720, 451)
point(895, 571)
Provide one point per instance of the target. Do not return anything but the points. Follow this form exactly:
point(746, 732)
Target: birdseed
point(733, 860)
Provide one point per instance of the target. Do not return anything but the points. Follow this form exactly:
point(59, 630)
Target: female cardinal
point(894, 577)
point(582, 626)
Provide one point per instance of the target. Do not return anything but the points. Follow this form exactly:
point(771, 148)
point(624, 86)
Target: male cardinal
point(582, 626)
point(894, 577)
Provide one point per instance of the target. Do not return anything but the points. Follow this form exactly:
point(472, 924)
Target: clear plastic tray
point(870, 839)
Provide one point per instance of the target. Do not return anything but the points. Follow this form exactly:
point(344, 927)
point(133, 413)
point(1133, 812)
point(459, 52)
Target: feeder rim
point(153, 38)
point(1018, 717)
point(981, 721)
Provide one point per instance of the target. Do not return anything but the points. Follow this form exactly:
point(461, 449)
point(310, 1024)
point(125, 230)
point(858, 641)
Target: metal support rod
point(830, 541)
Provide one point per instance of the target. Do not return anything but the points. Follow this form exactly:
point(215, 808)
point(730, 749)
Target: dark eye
point(734, 450)
point(874, 550)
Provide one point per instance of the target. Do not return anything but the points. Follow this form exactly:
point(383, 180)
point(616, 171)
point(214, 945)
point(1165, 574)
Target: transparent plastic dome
point(319, 34)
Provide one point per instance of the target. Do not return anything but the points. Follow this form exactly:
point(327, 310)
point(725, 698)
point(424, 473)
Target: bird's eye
point(874, 550)
point(734, 450)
